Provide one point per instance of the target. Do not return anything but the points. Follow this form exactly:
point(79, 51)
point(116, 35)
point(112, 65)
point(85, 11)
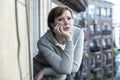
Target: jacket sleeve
point(61, 64)
point(78, 52)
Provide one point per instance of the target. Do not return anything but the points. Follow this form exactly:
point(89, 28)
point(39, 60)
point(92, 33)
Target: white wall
point(14, 42)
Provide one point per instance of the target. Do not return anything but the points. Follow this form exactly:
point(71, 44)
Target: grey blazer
point(63, 61)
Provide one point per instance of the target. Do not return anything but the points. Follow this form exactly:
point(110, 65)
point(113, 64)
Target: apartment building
point(98, 61)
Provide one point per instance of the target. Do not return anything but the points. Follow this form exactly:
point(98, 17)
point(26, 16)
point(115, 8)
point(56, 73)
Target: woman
point(61, 47)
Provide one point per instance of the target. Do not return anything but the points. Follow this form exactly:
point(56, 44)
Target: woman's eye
point(69, 18)
point(60, 19)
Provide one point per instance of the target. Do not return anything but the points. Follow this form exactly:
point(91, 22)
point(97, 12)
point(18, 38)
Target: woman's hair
point(56, 12)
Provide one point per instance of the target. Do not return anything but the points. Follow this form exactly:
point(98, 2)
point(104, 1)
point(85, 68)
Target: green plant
point(82, 22)
point(117, 78)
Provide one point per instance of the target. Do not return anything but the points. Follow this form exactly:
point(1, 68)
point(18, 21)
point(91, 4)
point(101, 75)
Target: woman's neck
point(59, 39)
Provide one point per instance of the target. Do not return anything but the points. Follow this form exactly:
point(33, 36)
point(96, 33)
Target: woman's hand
point(58, 30)
point(40, 75)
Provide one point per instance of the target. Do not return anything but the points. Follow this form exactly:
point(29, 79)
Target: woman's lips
point(66, 28)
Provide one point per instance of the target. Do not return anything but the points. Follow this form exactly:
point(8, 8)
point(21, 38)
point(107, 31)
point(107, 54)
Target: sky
point(116, 10)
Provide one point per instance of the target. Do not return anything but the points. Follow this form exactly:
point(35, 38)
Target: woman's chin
point(68, 31)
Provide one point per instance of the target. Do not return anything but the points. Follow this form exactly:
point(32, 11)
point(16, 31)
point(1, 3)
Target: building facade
point(98, 61)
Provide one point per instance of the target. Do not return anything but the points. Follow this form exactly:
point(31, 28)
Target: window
point(109, 12)
point(91, 10)
point(103, 12)
point(91, 28)
point(98, 10)
point(98, 27)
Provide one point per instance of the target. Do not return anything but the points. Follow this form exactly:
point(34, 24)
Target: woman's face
point(65, 20)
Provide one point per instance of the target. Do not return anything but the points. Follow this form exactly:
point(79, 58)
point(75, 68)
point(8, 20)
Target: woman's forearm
point(62, 64)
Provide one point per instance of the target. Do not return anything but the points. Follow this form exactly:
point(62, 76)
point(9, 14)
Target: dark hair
point(56, 12)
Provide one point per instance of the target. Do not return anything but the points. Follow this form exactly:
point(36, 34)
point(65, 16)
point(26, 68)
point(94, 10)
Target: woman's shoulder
point(46, 39)
point(43, 39)
point(77, 30)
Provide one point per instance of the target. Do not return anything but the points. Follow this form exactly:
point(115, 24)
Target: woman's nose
point(66, 22)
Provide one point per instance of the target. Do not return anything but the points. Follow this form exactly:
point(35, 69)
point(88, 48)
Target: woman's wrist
point(40, 75)
point(69, 38)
